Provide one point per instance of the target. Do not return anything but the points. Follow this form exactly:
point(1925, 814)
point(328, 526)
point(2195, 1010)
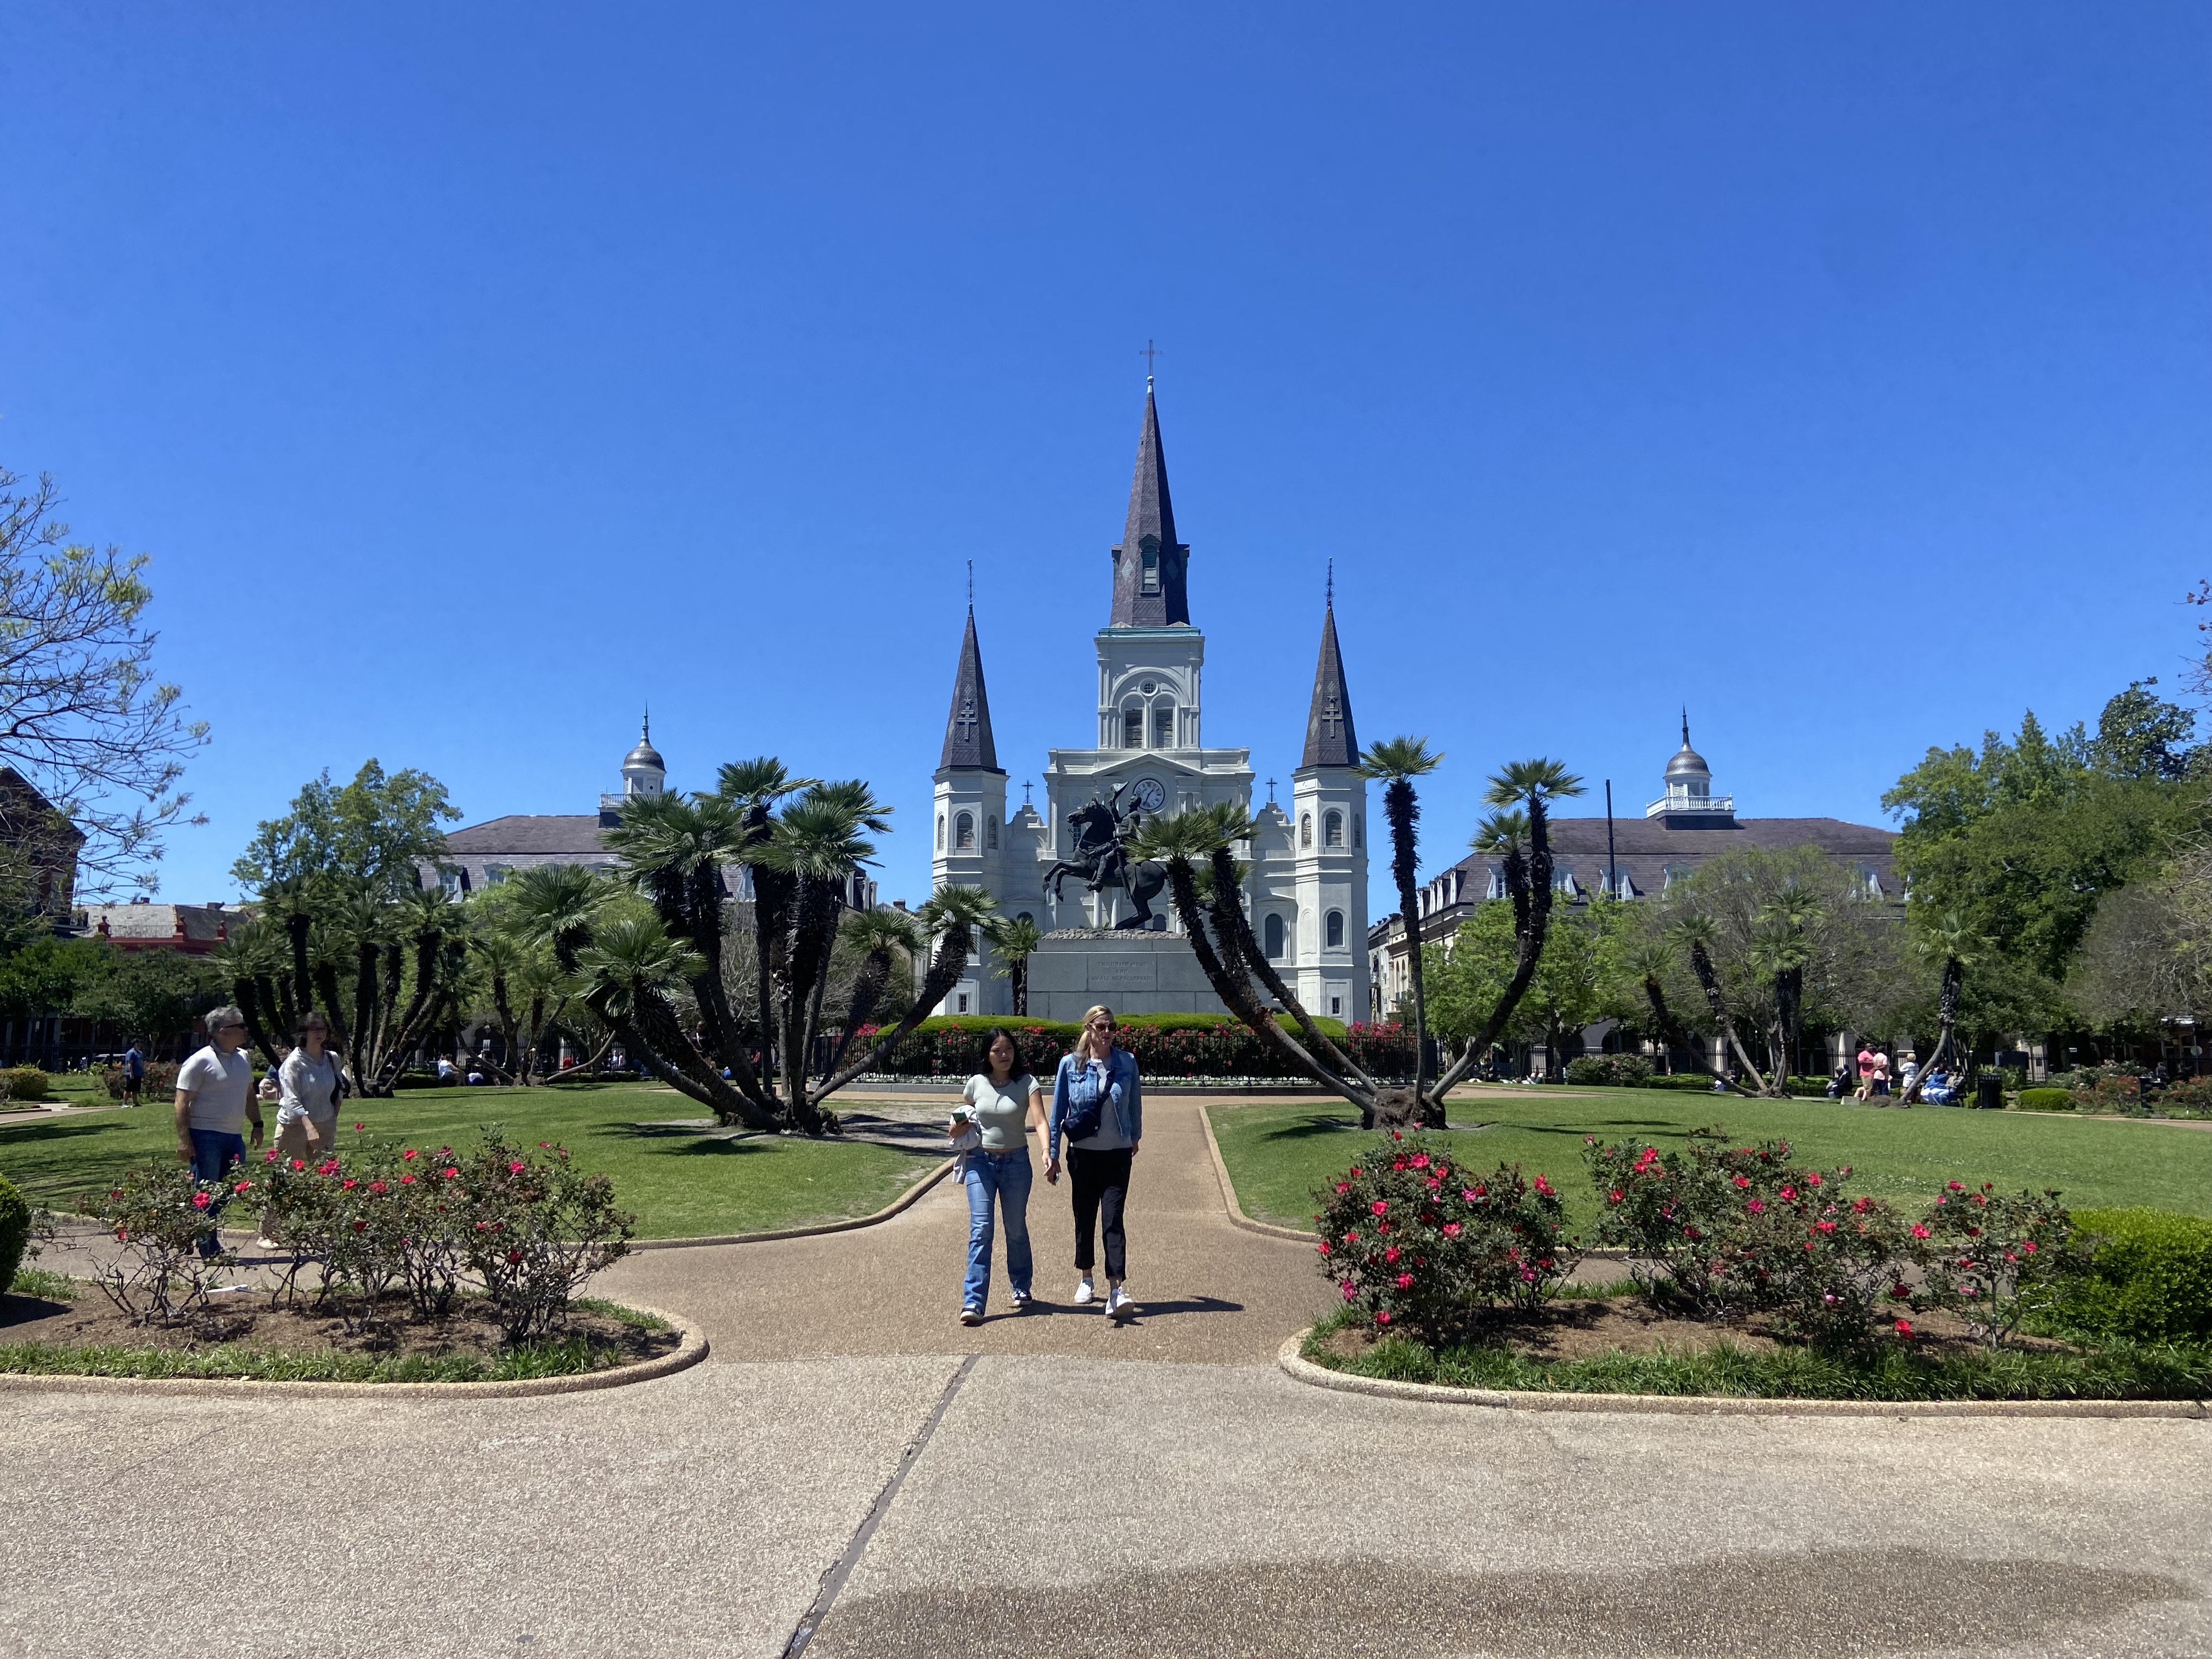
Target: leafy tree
point(149, 993)
point(1572, 988)
point(48, 975)
point(368, 837)
point(82, 717)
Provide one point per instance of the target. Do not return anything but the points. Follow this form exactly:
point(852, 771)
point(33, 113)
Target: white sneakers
point(1084, 1295)
point(1118, 1304)
point(971, 1315)
point(1021, 1300)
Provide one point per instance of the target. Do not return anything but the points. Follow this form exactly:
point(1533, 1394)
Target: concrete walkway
point(855, 1474)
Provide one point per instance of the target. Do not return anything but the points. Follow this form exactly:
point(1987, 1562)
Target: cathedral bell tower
point(1328, 830)
point(970, 812)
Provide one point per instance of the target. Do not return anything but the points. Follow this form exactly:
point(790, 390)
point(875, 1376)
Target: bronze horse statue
point(1098, 844)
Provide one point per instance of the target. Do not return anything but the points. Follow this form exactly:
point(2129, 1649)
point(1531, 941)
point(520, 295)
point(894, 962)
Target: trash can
point(1989, 1091)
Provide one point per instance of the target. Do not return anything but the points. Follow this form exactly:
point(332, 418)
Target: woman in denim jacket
point(1100, 1078)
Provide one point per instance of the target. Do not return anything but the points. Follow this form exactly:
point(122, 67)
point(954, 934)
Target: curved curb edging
point(687, 1353)
point(905, 1200)
point(1237, 1216)
point(1303, 1369)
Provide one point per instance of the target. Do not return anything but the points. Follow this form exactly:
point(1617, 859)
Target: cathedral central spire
point(1150, 587)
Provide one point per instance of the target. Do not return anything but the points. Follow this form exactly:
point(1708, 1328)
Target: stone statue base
point(1130, 972)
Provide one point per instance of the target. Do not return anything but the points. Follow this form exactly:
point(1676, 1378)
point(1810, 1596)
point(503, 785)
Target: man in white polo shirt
point(214, 1100)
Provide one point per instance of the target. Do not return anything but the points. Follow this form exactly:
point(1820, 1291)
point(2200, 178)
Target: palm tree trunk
point(1017, 972)
point(1528, 885)
point(1947, 1005)
point(1701, 964)
point(1403, 810)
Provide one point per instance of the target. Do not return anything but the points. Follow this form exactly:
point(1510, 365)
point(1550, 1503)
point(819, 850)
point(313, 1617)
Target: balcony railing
point(1717, 803)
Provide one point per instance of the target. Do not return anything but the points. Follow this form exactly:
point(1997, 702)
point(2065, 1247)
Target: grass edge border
point(1293, 1363)
point(690, 1349)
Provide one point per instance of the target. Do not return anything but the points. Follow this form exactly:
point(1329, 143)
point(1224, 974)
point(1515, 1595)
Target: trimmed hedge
point(1164, 1045)
point(2152, 1279)
point(27, 1083)
point(15, 1230)
point(2046, 1100)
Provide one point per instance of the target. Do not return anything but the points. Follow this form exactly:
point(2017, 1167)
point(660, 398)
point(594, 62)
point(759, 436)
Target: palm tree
point(673, 848)
point(1781, 946)
point(1520, 830)
point(1196, 848)
point(1396, 761)
point(1648, 964)
point(1696, 933)
point(754, 788)
point(883, 938)
point(817, 843)
point(1946, 940)
point(1014, 940)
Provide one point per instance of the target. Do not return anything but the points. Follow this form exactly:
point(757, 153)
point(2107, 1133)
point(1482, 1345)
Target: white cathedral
point(1307, 892)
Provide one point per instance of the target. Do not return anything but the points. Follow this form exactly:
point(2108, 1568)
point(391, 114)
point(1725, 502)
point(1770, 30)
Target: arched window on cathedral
point(1335, 933)
point(964, 832)
point(1306, 829)
point(1272, 936)
point(1132, 728)
point(1332, 829)
point(991, 832)
point(1152, 569)
point(940, 832)
point(1164, 731)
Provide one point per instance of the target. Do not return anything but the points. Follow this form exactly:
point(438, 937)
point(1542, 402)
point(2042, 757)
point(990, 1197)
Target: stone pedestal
point(1131, 972)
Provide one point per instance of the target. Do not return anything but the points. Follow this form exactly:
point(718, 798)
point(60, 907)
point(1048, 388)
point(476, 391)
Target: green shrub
point(15, 1230)
point(27, 1083)
point(2046, 1100)
point(2152, 1279)
point(1609, 1071)
point(161, 1080)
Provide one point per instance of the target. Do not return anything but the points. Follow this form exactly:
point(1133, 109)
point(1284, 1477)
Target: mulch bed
point(245, 1319)
point(1591, 1328)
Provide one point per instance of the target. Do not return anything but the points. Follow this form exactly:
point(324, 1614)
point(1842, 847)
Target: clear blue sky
point(476, 374)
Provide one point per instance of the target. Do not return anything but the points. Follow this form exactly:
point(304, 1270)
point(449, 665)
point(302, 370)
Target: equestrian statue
point(1098, 843)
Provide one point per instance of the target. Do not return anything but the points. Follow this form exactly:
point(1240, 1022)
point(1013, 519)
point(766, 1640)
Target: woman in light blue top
point(993, 1135)
point(1098, 1103)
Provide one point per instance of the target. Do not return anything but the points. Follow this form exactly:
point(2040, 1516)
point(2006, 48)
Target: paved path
point(1035, 1488)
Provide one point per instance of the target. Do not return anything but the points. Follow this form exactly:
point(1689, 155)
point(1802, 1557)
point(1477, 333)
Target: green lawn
point(682, 1184)
point(1276, 1154)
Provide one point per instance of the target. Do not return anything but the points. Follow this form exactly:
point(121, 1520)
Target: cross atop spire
point(969, 745)
point(1330, 739)
point(1150, 589)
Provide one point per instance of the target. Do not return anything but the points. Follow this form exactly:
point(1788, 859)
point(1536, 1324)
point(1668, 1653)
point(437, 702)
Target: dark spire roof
point(1150, 537)
point(968, 742)
point(1330, 741)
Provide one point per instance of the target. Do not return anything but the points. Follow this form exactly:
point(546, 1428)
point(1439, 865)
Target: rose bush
point(159, 1216)
point(1417, 1243)
point(1994, 1261)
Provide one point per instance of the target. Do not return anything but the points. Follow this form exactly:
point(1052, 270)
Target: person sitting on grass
point(214, 1101)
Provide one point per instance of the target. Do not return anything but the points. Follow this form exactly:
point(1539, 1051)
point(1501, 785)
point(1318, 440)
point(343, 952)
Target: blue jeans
point(213, 1153)
point(1007, 1179)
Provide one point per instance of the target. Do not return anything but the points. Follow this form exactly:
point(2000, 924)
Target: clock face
point(1150, 795)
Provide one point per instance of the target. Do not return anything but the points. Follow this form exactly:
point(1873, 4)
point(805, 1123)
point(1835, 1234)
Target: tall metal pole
point(1612, 870)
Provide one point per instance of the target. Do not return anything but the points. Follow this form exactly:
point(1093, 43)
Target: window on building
point(1334, 931)
point(1358, 831)
point(1151, 570)
point(1132, 728)
point(1332, 829)
point(991, 832)
point(1336, 1007)
point(1306, 829)
point(963, 1002)
point(1271, 933)
point(964, 832)
point(1025, 916)
point(495, 873)
point(1163, 733)
point(455, 882)
point(940, 832)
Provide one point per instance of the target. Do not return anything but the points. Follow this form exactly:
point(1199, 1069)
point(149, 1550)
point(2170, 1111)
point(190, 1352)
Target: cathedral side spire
point(1150, 587)
point(969, 745)
point(1330, 741)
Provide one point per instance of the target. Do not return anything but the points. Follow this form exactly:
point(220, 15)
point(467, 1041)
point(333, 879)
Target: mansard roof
point(969, 745)
point(1150, 530)
point(1330, 741)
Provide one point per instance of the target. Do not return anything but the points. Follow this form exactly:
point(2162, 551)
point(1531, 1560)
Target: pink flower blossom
point(1451, 1230)
point(1920, 1230)
point(1343, 1187)
point(201, 1200)
point(1905, 1328)
point(1757, 1206)
point(1543, 1185)
point(1382, 1318)
point(1420, 1160)
point(242, 1186)
point(1379, 1208)
point(1322, 1247)
point(1954, 1186)
point(1405, 1281)
point(1349, 1293)
point(407, 1180)
point(1390, 1254)
point(1789, 1194)
point(1812, 1178)
point(1615, 1196)
point(408, 1154)
point(1743, 1181)
point(378, 1187)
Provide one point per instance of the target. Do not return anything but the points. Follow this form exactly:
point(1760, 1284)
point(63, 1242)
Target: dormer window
point(1152, 569)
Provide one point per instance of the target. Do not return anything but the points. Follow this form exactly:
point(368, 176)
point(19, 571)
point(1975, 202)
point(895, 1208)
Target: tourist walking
point(1097, 1103)
point(1865, 1091)
point(1003, 1103)
point(214, 1100)
point(309, 1088)
point(134, 1075)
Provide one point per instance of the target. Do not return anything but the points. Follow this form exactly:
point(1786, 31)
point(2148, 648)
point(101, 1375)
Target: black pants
point(1100, 1180)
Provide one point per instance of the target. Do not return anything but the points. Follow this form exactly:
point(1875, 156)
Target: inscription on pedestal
point(1120, 973)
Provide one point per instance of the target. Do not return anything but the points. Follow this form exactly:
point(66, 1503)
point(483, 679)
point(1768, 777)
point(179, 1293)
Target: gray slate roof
point(537, 832)
point(1330, 741)
point(1152, 520)
point(969, 745)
